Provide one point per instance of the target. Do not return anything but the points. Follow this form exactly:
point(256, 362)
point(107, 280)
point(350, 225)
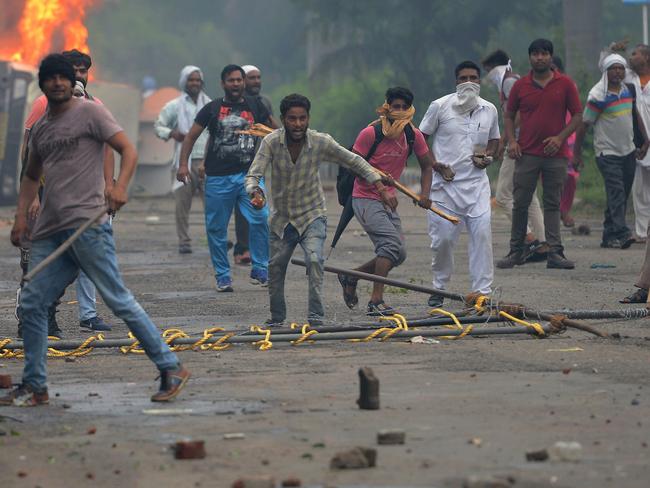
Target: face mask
point(467, 94)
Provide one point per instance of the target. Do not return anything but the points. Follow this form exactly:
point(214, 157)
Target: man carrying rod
point(294, 154)
point(386, 144)
point(66, 147)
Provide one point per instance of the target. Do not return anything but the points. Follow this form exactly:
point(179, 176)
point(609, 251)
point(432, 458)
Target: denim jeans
point(312, 242)
point(86, 297)
point(222, 193)
point(94, 253)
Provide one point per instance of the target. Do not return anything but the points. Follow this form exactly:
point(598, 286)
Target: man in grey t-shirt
point(67, 147)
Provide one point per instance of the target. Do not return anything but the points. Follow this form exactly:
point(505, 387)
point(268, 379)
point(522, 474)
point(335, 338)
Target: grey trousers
point(618, 174)
point(183, 197)
point(527, 171)
point(312, 241)
point(644, 277)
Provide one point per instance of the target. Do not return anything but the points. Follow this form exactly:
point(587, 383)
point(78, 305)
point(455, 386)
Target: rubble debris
point(254, 482)
point(5, 381)
point(189, 450)
point(291, 482)
point(357, 458)
point(537, 456)
point(488, 482)
point(565, 452)
point(369, 390)
point(388, 437)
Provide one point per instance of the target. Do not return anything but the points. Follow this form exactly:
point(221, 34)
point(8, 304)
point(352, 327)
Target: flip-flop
point(639, 296)
point(350, 298)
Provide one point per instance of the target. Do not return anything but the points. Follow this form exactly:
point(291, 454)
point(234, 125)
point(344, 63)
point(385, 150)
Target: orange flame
point(49, 25)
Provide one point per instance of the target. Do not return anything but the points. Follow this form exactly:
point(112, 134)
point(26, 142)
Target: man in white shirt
point(465, 132)
point(174, 122)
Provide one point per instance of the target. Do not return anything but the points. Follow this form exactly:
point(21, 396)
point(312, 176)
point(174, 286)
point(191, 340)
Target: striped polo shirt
point(612, 119)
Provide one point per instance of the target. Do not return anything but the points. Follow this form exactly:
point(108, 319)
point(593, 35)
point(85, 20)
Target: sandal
point(349, 286)
point(639, 296)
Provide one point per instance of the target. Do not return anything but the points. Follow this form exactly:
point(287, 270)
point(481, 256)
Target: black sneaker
point(514, 258)
point(556, 260)
point(535, 252)
point(95, 323)
point(436, 301)
point(273, 323)
point(184, 249)
point(379, 309)
point(314, 322)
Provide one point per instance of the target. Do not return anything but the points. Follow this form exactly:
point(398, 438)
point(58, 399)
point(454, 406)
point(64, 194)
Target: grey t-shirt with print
point(71, 148)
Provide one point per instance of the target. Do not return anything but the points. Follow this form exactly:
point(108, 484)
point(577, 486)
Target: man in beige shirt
point(298, 213)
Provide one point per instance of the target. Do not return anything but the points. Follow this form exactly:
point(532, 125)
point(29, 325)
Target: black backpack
point(345, 178)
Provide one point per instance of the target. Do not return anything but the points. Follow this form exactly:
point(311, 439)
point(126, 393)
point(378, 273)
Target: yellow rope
point(538, 328)
point(306, 334)
point(83, 349)
point(480, 304)
point(264, 344)
point(459, 326)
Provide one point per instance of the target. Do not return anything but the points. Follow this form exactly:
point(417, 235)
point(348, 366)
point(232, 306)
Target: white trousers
point(444, 236)
point(641, 199)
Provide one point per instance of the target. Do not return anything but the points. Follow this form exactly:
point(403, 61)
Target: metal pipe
point(386, 281)
point(517, 309)
point(331, 336)
point(624, 313)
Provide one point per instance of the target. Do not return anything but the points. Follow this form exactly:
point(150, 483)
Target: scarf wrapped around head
point(599, 91)
point(186, 113)
point(394, 121)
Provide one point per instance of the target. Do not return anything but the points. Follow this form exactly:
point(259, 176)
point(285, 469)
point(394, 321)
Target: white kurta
point(456, 137)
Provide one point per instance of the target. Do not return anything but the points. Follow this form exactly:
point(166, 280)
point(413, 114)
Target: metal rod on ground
point(513, 308)
point(62, 248)
point(333, 336)
point(387, 281)
point(624, 313)
point(427, 322)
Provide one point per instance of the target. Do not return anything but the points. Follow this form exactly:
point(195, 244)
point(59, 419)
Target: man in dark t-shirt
point(229, 154)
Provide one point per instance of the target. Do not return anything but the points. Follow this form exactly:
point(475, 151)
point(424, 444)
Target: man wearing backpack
point(230, 152)
point(465, 132)
point(386, 144)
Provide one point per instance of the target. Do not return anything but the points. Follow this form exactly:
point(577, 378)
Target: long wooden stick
point(63, 247)
point(413, 196)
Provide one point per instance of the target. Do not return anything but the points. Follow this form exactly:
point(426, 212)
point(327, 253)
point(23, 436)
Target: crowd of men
point(220, 153)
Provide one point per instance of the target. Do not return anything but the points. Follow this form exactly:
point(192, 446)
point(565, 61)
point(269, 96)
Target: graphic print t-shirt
point(71, 148)
point(229, 151)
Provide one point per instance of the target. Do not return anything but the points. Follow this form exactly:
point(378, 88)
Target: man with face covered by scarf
point(610, 110)
point(380, 221)
point(174, 122)
point(465, 133)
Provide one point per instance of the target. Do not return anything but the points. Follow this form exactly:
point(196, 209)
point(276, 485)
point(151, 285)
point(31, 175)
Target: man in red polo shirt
point(542, 99)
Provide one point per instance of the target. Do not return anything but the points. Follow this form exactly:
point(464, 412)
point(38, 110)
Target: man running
point(465, 132)
point(386, 144)
point(230, 153)
point(67, 147)
point(294, 154)
point(86, 293)
point(174, 122)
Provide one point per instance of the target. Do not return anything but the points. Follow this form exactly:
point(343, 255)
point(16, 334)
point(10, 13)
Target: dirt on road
point(469, 408)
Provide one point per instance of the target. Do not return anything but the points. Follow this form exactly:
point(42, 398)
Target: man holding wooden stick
point(67, 147)
point(465, 132)
point(386, 144)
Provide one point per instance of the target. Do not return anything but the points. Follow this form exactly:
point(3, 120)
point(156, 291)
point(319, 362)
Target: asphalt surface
point(471, 407)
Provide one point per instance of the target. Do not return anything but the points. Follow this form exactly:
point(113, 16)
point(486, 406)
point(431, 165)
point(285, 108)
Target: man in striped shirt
point(298, 215)
point(610, 109)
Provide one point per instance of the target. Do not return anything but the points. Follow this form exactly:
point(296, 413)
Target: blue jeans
point(312, 242)
point(86, 297)
point(94, 253)
point(222, 193)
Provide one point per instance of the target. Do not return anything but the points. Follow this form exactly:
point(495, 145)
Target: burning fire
point(47, 26)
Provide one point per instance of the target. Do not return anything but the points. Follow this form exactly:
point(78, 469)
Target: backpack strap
point(379, 136)
point(410, 138)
